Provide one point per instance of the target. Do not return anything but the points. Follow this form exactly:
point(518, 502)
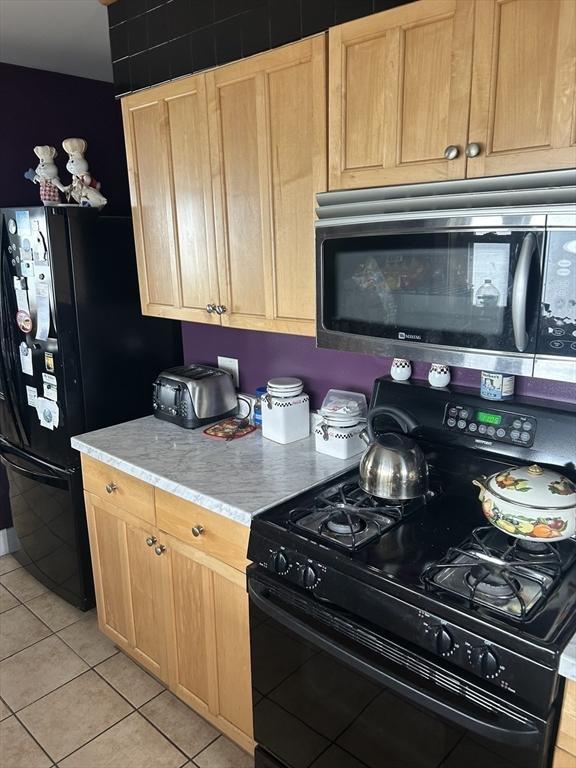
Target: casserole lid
point(533, 487)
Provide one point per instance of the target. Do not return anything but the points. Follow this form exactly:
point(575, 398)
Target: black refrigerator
point(76, 355)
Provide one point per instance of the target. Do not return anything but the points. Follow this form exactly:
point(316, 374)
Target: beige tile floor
point(69, 698)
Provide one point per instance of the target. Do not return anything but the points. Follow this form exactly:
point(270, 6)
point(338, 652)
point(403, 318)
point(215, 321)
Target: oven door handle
point(520, 291)
point(510, 731)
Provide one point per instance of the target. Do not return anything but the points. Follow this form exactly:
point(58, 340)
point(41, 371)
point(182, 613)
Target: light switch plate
point(230, 364)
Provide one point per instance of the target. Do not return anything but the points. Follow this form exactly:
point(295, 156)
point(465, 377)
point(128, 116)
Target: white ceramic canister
point(285, 419)
point(341, 442)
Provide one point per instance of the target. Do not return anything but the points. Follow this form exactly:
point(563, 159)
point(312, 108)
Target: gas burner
point(496, 577)
point(349, 518)
point(343, 522)
point(492, 581)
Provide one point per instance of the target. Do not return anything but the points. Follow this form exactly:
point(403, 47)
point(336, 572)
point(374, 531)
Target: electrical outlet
point(230, 364)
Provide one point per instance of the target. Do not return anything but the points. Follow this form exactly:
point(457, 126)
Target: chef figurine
point(46, 175)
point(84, 188)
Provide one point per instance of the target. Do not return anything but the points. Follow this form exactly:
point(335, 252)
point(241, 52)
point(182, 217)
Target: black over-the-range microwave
point(473, 273)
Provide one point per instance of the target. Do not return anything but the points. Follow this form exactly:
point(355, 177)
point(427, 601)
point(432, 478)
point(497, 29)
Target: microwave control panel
point(491, 424)
point(558, 315)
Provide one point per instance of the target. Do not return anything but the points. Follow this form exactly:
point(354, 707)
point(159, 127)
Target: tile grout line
point(34, 739)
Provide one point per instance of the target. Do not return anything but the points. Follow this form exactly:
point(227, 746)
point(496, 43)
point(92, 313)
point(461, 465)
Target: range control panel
point(491, 424)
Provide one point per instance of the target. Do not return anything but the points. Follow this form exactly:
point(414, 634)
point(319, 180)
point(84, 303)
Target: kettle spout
point(365, 436)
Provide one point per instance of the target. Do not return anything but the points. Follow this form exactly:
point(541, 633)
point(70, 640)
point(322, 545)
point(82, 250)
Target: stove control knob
point(443, 640)
point(280, 563)
point(485, 662)
point(309, 577)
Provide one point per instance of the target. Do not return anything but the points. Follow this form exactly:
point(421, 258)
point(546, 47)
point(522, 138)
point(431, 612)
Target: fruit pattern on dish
point(538, 528)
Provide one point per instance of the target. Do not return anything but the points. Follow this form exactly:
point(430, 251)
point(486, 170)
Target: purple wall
point(264, 355)
point(46, 107)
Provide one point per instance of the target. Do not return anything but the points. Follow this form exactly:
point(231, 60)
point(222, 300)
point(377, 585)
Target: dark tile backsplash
point(153, 41)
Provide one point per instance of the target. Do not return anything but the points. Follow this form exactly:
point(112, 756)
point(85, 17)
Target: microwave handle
point(520, 291)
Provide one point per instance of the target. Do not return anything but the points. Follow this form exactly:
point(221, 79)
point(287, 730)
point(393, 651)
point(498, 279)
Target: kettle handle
point(404, 419)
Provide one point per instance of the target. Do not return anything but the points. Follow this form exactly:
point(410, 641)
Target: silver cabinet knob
point(210, 308)
point(472, 149)
point(451, 152)
point(151, 540)
point(220, 309)
point(111, 487)
point(198, 530)
point(160, 549)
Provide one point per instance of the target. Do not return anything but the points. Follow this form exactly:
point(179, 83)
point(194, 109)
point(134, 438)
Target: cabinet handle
point(160, 549)
point(472, 149)
point(451, 152)
point(220, 309)
point(151, 540)
point(111, 487)
point(210, 308)
point(198, 530)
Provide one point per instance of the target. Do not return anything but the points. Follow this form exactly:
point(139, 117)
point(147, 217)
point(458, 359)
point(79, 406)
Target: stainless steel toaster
point(194, 395)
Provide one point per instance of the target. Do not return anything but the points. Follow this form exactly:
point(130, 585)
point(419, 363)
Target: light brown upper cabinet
point(399, 94)
point(166, 132)
point(223, 169)
point(442, 89)
point(522, 111)
point(268, 143)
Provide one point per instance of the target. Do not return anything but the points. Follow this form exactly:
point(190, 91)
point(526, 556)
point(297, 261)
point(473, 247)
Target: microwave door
point(466, 296)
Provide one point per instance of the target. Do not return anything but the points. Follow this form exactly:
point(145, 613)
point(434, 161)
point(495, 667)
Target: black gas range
point(414, 635)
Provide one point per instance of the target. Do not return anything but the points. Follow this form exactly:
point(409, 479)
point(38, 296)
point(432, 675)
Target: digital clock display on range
point(484, 417)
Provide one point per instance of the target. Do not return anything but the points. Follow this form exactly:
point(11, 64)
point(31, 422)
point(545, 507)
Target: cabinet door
point(166, 131)
point(268, 127)
point(523, 86)
point(130, 580)
point(399, 91)
point(209, 655)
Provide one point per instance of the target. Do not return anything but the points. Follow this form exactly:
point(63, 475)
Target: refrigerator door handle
point(7, 353)
point(39, 477)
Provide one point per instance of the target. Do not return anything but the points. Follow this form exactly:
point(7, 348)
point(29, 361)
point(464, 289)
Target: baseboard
point(8, 541)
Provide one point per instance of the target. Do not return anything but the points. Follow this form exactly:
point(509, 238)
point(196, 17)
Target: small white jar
point(341, 442)
point(285, 419)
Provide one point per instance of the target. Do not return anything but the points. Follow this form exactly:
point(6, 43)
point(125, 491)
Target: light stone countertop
point(567, 666)
point(238, 479)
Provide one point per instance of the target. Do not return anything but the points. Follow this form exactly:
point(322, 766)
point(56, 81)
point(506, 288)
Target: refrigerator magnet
point(49, 362)
point(31, 396)
point(42, 312)
point(12, 228)
point(48, 413)
point(22, 301)
point(26, 359)
point(23, 222)
point(24, 321)
point(27, 268)
point(50, 386)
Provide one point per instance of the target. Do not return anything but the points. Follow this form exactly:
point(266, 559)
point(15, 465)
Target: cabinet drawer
point(216, 535)
point(566, 738)
point(129, 493)
point(563, 759)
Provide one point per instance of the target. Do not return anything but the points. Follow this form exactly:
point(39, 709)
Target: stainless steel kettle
point(393, 466)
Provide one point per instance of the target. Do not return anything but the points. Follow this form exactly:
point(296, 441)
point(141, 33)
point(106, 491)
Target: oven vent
point(525, 190)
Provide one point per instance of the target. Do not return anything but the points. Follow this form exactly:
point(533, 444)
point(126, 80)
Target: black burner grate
point(511, 579)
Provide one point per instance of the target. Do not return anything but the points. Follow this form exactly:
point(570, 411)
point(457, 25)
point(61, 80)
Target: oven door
point(329, 692)
point(460, 290)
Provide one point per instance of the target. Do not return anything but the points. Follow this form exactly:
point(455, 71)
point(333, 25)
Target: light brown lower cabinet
point(130, 582)
point(177, 610)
